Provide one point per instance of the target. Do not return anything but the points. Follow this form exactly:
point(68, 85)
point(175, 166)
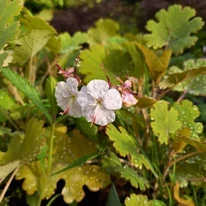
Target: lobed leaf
point(127, 145)
point(66, 150)
point(196, 85)
point(22, 151)
point(187, 171)
point(23, 85)
point(113, 165)
point(9, 26)
point(90, 65)
point(142, 200)
point(165, 121)
point(69, 44)
point(173, 79)
point(173, 29)
point(183, 137)
point(187, 113)
point(105, 29)
point(118, 62)
point(29, 44)
point(137, 59)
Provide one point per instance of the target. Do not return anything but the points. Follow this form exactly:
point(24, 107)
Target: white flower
point(99, 102)
point(66, 95)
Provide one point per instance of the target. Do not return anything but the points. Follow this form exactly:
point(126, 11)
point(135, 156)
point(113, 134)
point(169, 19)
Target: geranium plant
point(113, 116)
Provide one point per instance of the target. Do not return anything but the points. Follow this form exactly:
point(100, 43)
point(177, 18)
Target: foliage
point(169, 32)
point(128, 129)
point(165, 122)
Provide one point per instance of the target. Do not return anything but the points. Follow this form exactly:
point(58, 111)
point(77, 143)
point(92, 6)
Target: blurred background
point(79, 15)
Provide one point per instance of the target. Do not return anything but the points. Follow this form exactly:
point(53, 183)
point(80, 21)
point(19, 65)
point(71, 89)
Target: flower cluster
point(96, 102)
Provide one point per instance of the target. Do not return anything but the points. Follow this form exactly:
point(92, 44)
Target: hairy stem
point(182, 96)
point(51, 144)
point(7, 184)
point(183, 157)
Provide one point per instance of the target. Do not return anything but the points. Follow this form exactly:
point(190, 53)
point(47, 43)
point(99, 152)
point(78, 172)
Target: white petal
point(97, 88)
point(72, 84)
point(99, 115)
point(62, 89)
point(83, 97)
point(65, 93)
point(112, 100)
point(75, 109)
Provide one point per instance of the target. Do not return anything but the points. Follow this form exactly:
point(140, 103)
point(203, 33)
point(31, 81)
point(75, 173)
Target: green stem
point(51, 143)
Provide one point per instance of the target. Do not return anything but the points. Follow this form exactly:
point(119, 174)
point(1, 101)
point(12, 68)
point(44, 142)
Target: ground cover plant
point(102, 110)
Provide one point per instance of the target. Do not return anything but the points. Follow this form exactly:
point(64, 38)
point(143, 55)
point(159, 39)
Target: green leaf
point(8, 167)
point(67, 149)
point(29, 44)
point(165, 121)
point(173, 29)
point(85, 127)
point(186, 171)
point(113, 166)
point(105, 29)
point(136, 180)
point(69, 44)
point(145, 102)
point(32, 200)
point(195, 85)
point(137, 59)
point(8, 25)
point(113, 198)
point(54, 45)
point(78, 162)
point(187, 113)
point(23, 85)
point(173, 79)
point(118, 62)
point(140, 200)
point(127, 145)
point(6, 101)
point(50, 89)
point(90, 65)
point(20, 152)
point(184, 136)
point(3, 58)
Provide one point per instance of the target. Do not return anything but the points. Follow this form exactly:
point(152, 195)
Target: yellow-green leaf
point(22, 151)
point(66, 149)
point(8, 24)
point(187, 113)
point(174, 29)
point(104, 30)
point(127, 145)
point(164, 121)
point(37, 36)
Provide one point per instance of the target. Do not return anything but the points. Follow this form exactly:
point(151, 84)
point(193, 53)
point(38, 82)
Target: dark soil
point(129, 13)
